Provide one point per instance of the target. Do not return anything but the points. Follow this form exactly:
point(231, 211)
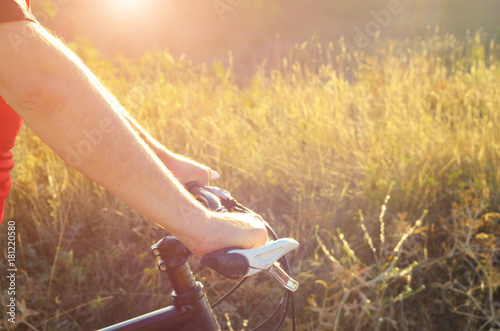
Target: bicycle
point(191, 309)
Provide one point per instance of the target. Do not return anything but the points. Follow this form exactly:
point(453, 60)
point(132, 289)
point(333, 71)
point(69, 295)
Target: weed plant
point(316, 142)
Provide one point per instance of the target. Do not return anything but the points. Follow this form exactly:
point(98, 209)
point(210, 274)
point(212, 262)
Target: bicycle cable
point(231, 291)
point(229, 204)
point(232, 204)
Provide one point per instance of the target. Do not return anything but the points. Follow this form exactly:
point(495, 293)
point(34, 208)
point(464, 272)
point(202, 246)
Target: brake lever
point(218, 192)
point(239, 263)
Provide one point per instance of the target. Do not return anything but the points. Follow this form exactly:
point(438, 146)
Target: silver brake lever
point(284, 278)
point(217, 191)
point(266, 257)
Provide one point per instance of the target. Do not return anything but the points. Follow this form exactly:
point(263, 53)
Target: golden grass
point(313, 141)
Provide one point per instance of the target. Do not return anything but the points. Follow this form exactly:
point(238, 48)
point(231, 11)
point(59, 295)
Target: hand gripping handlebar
point(235, 263)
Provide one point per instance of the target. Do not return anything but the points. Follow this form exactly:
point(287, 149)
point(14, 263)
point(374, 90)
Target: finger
point(213, 174)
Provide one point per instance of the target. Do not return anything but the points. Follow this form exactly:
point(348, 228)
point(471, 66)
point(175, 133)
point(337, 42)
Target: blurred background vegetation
point(206, 30)
point(380, 157)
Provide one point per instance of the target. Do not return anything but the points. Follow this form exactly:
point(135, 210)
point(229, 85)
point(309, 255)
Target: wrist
point(161, 152)
point(197, 239)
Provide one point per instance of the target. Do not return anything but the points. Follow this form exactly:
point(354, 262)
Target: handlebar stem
point(188, 293)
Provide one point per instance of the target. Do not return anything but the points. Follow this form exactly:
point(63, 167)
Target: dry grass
point(309, 143)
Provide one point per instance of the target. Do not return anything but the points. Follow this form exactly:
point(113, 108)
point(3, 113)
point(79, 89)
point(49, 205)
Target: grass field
point(384, 166)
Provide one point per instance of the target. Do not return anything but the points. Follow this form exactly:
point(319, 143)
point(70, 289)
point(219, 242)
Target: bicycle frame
point(191, 309)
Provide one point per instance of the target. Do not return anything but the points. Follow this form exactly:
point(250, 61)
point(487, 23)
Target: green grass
point(342, 151)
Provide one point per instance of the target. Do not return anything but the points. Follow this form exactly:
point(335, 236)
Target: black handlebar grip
point(229, 265)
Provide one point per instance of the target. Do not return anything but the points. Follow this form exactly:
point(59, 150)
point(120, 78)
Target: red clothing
point(10, 122)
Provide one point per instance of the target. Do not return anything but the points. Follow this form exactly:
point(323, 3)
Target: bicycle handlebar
point(235, 263)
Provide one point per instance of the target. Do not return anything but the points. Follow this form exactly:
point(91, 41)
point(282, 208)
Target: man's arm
point(184, 169)
point(69, 109)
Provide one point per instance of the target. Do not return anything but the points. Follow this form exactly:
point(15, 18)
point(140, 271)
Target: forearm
point(67, 107)
point(158, 149)
point(184, 169)
point(152, 143)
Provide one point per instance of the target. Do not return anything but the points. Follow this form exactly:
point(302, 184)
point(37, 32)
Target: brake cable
point(231, 291)
point(232, 205)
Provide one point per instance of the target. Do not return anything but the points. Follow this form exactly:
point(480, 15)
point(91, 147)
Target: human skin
point(70, 110)
point(184, 169)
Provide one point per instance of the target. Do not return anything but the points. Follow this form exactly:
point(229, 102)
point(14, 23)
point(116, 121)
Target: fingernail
point(214, 174)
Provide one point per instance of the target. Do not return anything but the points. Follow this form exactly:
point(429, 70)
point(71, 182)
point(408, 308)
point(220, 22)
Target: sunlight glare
point(129, 5)
point(128, 9)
